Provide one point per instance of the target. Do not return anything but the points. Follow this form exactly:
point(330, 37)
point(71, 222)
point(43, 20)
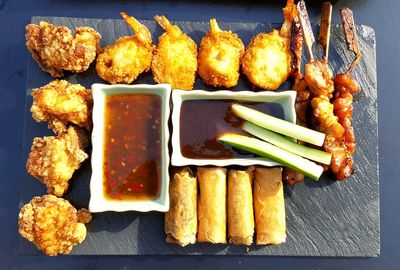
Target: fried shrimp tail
point(55, 49)
point(220, 56)
point(175, 57)
point(267, 59)
point(52, 224)
point(128, 57)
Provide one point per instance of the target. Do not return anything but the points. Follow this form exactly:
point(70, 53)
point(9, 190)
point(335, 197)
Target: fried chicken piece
point(220, 56)
point(128, 57)
point(267, 59)
point(55, 49)
point(52, 224)
point(175, 58)
point(60, 103)
point(53, 160)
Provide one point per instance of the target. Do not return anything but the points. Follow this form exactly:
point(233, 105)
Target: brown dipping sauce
point(132, 143)
point(202, 121)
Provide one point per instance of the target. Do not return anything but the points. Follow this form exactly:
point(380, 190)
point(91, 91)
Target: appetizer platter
point(205, 146)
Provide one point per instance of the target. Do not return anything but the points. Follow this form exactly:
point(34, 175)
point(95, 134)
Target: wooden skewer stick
point(350, 35)
point(325, 28)
point(306, 26)
point(297, 44)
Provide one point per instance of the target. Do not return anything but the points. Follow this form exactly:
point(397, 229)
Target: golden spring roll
point(181, 219)
point(212, 205)
point(269, 206)
point(240, 207)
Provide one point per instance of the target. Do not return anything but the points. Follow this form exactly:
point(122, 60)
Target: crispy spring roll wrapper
point(269, 206)
point(181, 219)
point(212, 205)
point(240, 206)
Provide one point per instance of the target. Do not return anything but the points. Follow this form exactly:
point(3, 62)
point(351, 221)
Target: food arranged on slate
point(220, 56)
point(128, 57)
point(175, 57)
point(207, 204)
point(55, 49)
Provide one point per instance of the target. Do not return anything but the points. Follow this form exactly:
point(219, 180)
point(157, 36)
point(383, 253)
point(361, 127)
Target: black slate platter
point(325, 218)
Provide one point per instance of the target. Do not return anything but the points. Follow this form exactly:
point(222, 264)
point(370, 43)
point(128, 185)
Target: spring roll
point(269, 206)
point(181, 219)
point(212, 205)
point(240, 207)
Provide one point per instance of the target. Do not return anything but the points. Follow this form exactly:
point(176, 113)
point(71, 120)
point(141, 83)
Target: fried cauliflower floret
point(220, 56)
point(55, 49)
point(53, 160)
point(52, 224)
point(128, 57)
point(60, 103)
point(175, 58)
point(267, 59)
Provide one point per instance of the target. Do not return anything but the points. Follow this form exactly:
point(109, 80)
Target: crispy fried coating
point(53, 160)
point(175, 57)
point(55, 49)
point(60, 103)
point(267, 59)
point(128, 57)
point(52, 224)
point(220, 56)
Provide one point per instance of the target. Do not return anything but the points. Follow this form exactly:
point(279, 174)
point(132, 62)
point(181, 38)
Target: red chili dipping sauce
point(132, 143)
point(202, 121)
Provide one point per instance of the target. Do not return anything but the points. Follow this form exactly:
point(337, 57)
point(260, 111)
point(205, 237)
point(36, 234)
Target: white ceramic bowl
point(286, 99)
point(97, 201)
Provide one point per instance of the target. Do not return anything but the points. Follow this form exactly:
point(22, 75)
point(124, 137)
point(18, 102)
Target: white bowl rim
point(97, 201)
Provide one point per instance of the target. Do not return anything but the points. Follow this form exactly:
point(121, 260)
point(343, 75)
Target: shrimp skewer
point(267, 59)
point(128, 57)
point(175, 58)
point(345, 86)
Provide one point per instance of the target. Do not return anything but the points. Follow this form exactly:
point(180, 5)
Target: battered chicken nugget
point(53, 160)
point(55, 49)
point(267, 60)
point(220, 56)
point(175, 58)
point(128, 57)
point(52, 224)
point(60, 103)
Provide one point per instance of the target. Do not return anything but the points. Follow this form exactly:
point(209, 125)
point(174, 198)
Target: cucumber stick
point(273, 152)
point(285, 143)
point(279, 125)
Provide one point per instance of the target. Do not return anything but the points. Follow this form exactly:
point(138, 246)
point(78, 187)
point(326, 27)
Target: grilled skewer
point(345, 86)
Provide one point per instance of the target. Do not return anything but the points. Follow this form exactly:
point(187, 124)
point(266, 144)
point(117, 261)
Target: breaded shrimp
point(128, 57)
point(267, 59)
point(52, 224)
point(60, 103)
point(220, 56)
point(175, 58)
point(55, 49)
point(53, 160)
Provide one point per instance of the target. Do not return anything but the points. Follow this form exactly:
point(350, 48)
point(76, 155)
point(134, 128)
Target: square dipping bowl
point(286, 99)
point(98, 202)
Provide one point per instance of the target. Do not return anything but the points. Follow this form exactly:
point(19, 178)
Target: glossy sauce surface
point(132, 143)
point(202, 121)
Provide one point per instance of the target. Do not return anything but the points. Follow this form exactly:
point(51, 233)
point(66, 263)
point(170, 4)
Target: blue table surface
point(14, 15)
